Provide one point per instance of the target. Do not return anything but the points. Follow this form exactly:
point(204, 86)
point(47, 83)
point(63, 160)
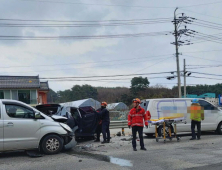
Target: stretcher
point(164, 123)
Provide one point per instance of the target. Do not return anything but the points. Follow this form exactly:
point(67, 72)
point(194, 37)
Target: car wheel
point(160, 130)
point(52, 144)
point(219, 128)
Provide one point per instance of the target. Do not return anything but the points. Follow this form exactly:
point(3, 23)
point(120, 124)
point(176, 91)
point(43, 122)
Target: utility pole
point(177, 55)
point(184, 73)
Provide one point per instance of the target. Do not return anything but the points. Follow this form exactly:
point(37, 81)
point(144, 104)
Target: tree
point(77, 92)
point(139, 84)
point(52, 96)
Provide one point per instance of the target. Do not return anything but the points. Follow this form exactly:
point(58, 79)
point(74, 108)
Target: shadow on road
point(13, 154)
point(187, 134)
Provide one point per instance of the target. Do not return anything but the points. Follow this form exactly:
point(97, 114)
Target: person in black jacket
point(105, 122)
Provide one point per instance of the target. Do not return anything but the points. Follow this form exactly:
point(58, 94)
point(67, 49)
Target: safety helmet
point(104, 104)
point(136, 100)
point(194, 101)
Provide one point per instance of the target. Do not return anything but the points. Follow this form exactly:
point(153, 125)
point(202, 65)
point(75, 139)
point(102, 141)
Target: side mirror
point(38, 115)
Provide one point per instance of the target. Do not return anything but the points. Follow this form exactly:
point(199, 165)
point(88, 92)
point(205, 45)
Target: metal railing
point(118, 124)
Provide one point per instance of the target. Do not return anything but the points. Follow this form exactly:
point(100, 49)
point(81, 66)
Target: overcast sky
point(98, 57)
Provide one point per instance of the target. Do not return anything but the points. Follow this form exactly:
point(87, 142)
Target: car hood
point(59, 118)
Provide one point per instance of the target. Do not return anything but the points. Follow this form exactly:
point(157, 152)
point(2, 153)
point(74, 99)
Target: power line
point(103, 76)
point(158, 56)
point(154, 64)
point(83, 21)
point(201, 51)
point(203, 14)
point(78, 67)
point(201, 4)
point(207, 74)
point(100, 79)
point(205, 67)
point(205, 78)
point(82, 25)
point(202, 58)
point(2, 37)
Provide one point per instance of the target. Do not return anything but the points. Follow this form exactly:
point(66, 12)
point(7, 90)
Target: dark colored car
point(83, 120)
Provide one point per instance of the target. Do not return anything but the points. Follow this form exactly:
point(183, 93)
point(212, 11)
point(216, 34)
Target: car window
point(207, 105)
point(145, 105)
point(75, 113)
point(15, 111)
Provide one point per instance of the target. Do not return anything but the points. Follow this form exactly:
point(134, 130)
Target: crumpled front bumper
point(71, 144)
point(69, 140)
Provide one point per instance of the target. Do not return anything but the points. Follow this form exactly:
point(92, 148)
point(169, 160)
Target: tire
point(52, 144)
point(219, 128)
point(160, 130)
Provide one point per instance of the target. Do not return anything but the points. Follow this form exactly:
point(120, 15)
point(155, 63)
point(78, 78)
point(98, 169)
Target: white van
point(164, 107)
point(22, 127)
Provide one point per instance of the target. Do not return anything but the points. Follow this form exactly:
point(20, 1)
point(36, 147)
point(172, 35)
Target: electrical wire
point(158, 56)
point(211, 3)
point(202, 14)
point(87, 77)
point(202, 58)
point(7, 37)
point(120, 64)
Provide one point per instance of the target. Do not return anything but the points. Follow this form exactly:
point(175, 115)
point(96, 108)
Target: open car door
point(87, 121)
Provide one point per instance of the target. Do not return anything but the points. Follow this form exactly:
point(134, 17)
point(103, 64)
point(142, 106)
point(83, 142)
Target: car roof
point(171, 99)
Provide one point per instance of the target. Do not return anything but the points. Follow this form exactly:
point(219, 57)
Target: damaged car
point(82, 120)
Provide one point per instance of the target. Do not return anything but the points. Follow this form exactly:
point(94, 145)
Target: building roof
point(15, 82)
point(23, 82)
point(44, 86)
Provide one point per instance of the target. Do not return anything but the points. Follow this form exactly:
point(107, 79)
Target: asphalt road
point(199, 154)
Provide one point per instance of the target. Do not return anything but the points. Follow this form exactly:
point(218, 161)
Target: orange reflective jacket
point(136, 117)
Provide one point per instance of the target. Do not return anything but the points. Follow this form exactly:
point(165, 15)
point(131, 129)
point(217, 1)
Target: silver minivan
point(22, 127)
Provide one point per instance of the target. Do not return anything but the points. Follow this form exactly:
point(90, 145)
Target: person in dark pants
point(105, 122)
point(98, 131)
point(135, 120)
point(196, 115)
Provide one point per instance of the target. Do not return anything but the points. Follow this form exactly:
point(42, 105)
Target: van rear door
point(1, 129)
point(181, 106)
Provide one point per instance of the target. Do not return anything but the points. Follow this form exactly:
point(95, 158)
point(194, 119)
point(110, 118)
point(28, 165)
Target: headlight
point(66, 127)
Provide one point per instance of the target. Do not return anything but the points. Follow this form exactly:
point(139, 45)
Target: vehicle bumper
point(69, 140)
point(149, 130)
point(71, 144)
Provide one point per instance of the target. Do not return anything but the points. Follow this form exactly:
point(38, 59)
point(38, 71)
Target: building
point(27, 89)
point(203, 96)
point(210, 97)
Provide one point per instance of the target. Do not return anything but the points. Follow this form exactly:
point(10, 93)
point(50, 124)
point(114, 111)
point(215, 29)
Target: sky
point(109, 56)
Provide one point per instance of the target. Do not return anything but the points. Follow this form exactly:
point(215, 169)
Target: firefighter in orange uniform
point(136, 119)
